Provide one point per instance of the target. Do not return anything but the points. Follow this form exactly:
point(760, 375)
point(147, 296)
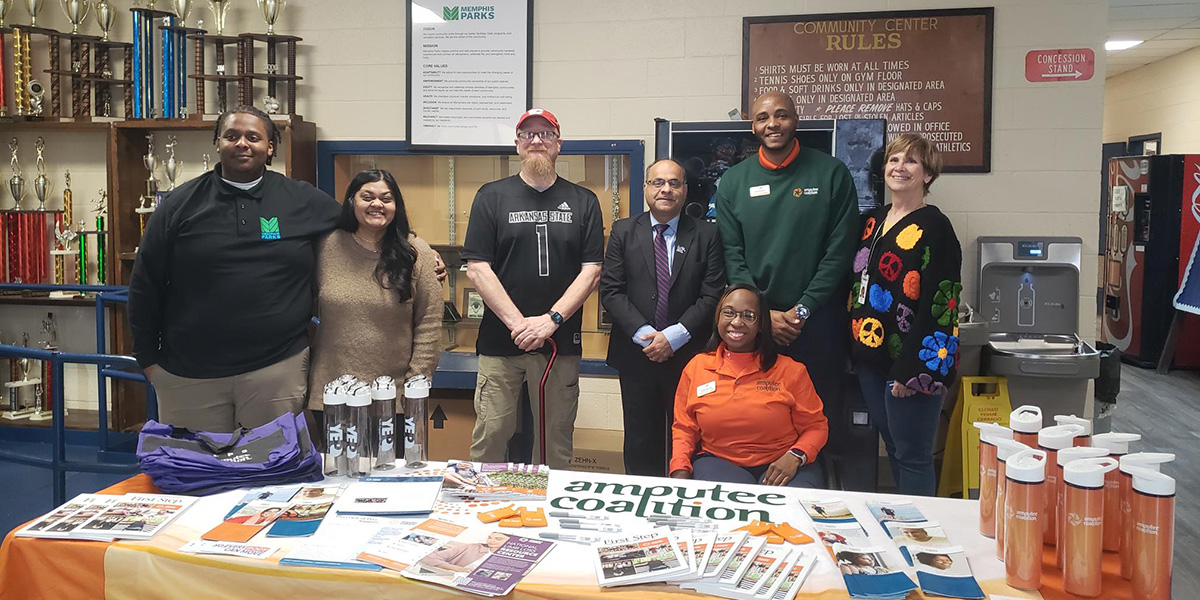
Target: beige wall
point(608, 67)
point(1162, 96)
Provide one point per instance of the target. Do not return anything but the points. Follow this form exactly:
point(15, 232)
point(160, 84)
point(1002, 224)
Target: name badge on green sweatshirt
point(760, 190)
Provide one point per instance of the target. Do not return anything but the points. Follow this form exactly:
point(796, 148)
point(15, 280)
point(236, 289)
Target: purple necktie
point(662, 268)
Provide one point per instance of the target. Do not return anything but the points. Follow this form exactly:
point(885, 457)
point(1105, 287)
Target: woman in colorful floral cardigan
point(904, 312)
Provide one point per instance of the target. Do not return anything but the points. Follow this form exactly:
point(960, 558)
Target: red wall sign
point(1078, 64)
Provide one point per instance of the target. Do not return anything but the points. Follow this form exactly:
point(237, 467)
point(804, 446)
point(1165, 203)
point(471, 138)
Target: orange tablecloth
point(42, 569)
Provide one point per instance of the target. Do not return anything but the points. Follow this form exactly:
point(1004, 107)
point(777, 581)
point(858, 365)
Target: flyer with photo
point(63, 521)
point(895, 511)
point(401, 546)
point(788, 580)
point(832, 510)
point(720, 552)
point(915, 533)
point(741, 561)
point(869, 572)
point(246, 521)
point(136, 516)
point(338, 546)
point(944, 571)
point(480, 561)
point(496, 481)
point(641, 558)
point(700, 547)
point(841, 533)
point(306, 512)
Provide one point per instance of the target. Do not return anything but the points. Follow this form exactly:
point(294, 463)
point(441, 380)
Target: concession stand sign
point(469, 73)
point(926, 72)
point(1042, 66)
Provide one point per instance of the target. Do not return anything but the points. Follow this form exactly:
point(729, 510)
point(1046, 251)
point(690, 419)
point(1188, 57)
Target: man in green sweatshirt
point(789, 219)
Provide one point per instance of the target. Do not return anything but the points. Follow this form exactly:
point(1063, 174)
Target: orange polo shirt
point(727, 406)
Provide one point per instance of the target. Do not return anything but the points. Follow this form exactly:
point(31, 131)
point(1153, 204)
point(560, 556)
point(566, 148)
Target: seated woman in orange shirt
point(744, 413)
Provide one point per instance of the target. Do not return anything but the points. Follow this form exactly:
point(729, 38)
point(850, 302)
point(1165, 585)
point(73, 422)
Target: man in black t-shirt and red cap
point(534, 247)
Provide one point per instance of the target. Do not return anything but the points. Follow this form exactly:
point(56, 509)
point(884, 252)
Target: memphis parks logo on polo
point(603, 494)
point(462, 13)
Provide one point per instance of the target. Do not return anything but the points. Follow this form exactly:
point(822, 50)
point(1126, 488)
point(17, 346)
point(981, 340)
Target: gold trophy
point(220, 10)
point(271, 9)
point(77, 12)
point(63, 237)
point(34, 7)
point(5, 6)
point(16, 183)
point(41, 183)
point(105, 17)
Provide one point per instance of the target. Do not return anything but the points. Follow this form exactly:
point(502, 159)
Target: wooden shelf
point(215, 77)
point(191, 123)
point(48, 301)
point(270, 39)
point(273, 77)
point(90, 77)
point(20, 124)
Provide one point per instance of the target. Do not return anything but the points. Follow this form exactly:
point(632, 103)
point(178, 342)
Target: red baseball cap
point(539, 112)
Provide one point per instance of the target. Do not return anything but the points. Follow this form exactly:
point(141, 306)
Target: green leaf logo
point(269, 227)
point(450, 13)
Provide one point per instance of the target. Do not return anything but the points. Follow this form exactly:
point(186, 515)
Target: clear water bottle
point(335, 431)
point(383, 422)
point(358, 430)
point(416, 425)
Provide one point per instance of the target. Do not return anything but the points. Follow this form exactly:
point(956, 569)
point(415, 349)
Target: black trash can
point(1108, 386)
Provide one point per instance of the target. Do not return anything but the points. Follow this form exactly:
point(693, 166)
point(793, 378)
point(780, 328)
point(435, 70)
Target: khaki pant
point(225, 403)
point(498, 406)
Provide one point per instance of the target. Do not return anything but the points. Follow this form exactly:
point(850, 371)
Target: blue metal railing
point(108, 366)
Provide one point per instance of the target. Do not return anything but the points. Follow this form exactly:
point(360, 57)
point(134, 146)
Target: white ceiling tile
point(1189, 11)
point(1179, 34)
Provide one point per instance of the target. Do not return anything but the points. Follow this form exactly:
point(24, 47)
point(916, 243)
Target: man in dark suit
point(663, 275)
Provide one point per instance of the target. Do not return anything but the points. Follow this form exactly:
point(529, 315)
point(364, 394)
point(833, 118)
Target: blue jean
point(908, 427)
point(707, 467)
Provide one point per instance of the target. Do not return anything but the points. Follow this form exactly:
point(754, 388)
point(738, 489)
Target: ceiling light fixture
point(1118, 45)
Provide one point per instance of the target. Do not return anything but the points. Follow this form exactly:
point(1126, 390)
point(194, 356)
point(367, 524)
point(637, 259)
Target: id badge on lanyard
point(862, 285)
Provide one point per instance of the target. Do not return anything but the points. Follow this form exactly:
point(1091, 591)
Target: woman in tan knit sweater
point(378, 297)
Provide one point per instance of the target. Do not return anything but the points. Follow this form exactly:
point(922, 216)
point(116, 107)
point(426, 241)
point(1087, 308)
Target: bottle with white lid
point(1026, 422)
point(416, 425)
point(383, 422)
point(358, 430)
point(1004, 450)
point(1146, 460)
point(1117, 445)
point(1052, 439)
point(988, 432)
point(335, 431)
point(1086, 424)
point(1084, 531)
point(1024, 514)
point(1065, 457)
point(1153, 533)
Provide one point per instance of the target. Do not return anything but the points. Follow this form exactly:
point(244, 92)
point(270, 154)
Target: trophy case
point(438, 193)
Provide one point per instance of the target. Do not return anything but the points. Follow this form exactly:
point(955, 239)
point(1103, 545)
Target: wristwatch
point(800, 455)
point(802, 311)
point(554, 316)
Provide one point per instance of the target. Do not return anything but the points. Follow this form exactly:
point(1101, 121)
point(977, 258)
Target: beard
point(539, 166)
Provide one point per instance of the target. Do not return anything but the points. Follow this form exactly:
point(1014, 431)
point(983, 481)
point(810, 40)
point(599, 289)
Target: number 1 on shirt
point(543, 237)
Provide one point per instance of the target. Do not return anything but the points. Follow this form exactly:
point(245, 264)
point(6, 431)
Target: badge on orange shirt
point(706, 389)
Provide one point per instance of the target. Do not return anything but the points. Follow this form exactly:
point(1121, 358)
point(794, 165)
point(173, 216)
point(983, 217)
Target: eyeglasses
point(546, 136)
point(748, 316)
point(659, 182)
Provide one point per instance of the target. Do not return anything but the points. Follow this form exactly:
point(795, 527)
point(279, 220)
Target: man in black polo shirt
point(221, 292)
point(534, 246)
